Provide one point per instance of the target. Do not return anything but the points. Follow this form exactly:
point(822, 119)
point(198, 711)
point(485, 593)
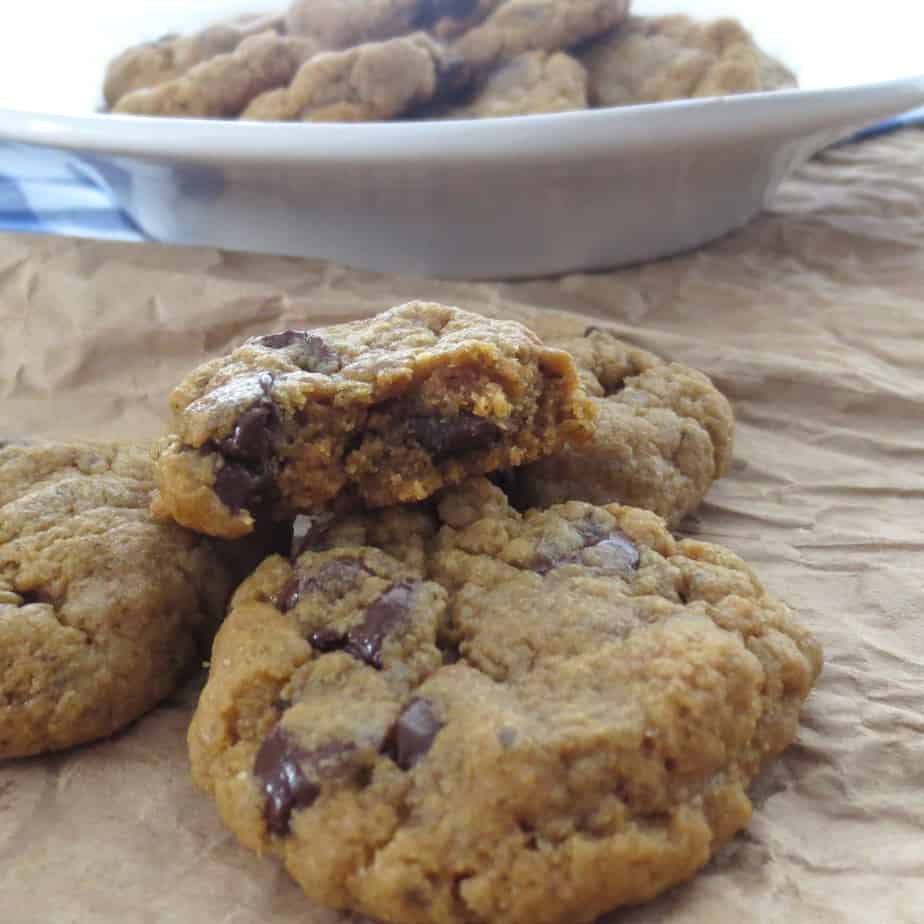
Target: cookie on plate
point(345, 23)
point(455, 712)
point(517, 26)
point(101, 609)
point(150, 63)
point(222, 86)
point(376, 412)
point(664, 435)
point(533, 82)
point(368, 83)
point(656, 59)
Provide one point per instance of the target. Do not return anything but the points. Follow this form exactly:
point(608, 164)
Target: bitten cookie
point(375, 412)
point(664, 435)
point(101, 609)
point(455, 712)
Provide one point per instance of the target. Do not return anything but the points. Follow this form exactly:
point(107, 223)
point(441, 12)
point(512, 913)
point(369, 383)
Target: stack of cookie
point(466, 680)
point(372, 60)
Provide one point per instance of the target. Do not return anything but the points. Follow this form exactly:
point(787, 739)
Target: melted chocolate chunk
point(281, 340)
point(308, 351)
point(430, 12)
point(325, 640)
point(238, 487)
point(284, 784)
point(616, 552)
point(384, 614)
point(334, 577)
point(446, 435)
point(411, 737)
point(254, 434)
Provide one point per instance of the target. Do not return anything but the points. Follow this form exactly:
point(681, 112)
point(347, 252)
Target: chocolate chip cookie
point(376, 412)
point(517, 26)
point(150, 63)
point(664, 435)
point(533, 82)
point(345, 23)
point(455, 712)
point(223, 85)
point(655, 59)
point(368, 83)
point(101, 609)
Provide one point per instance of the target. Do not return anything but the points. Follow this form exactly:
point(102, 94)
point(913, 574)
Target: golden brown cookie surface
point(455, 712)
point(101, 609)
point(377, 412)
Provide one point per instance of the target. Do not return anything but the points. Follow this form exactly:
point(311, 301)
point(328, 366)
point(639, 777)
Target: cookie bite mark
point(413, 733)
point(372, 413)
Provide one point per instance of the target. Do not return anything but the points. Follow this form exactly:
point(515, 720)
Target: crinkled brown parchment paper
point(811, 320)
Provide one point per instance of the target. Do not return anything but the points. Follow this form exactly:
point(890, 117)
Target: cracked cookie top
point(101, 609)
point(524, 717)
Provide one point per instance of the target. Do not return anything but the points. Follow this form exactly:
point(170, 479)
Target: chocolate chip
point(285, 786)
point(238, 487)
point(325, 640)
point(616, 551)
point(412, 735)
point(335, 578)
point(254, 434)
point(430, 12)
point(444, 435)
point(383, 615)
point(592, 532)
point(281, 340)
point(306, 350)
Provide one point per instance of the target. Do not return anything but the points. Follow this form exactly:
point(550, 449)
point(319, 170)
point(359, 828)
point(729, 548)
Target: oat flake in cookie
point(373, 412)
point(455, 713)
point(101, 609)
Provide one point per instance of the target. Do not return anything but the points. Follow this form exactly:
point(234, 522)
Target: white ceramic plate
point(511, 197)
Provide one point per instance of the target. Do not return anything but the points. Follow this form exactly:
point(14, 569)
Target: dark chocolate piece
point(285, 786)
point(619, 552)
point(238, 487)
point(446, 435)
point(308, 351)
point(383, 615)
point(411, 737)
point(254, 434)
